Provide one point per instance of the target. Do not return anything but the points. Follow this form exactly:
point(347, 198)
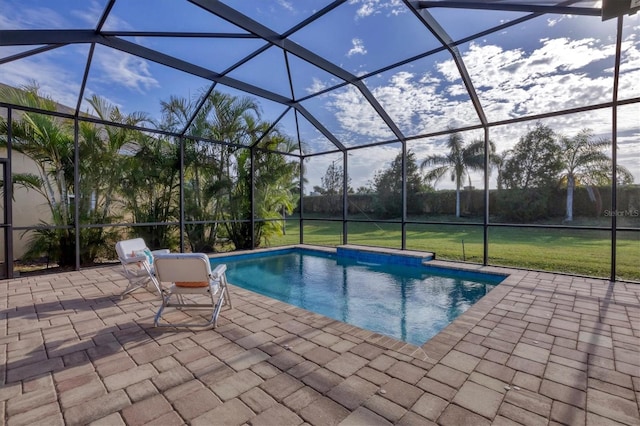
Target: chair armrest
point(134, 259)
point(161, 251)
point(218, 271)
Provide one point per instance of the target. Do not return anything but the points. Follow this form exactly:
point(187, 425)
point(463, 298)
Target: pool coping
point(446, 339)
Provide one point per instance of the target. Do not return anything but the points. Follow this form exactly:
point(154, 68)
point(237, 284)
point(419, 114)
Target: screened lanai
point(501, 133)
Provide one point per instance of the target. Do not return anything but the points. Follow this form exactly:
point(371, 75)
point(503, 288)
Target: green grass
point(581, 252)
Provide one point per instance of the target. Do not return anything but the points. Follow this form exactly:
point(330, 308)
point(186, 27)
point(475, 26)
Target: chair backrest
point(124, 248)
point(183, 267)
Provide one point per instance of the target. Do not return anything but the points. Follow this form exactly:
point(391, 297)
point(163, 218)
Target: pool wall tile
point(369, 256)
point(249, 254)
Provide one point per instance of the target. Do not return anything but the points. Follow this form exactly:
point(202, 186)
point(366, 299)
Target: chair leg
point(181, 304)
point(165, 303)
point(223, 285)
point(153, 279)
point(138, 281)
point(134, 283)
point(222, 300)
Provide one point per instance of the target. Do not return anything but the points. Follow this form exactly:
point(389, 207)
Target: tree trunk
point(570, 185)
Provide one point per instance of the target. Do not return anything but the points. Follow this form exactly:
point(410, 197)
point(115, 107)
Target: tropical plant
point(584, 162)
point(458, 162)
point(150, 186)
point(104, 150)
point(48, 141)
point(275, 187)
point(209, 166)
point(205, 189)
point(177, 114)
point(499, 161)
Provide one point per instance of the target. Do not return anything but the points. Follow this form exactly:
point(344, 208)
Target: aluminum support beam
point(511, 7)
point(302, 110)
point(179, 64)
point(430, 22)
point(28, 53)
point(233, 16)
point(31, 37)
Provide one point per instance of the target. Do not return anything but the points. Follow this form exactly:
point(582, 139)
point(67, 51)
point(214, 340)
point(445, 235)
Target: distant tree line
point(540, 164)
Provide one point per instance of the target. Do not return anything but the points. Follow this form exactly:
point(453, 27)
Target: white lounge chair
point(190, 275)
point(137, 262)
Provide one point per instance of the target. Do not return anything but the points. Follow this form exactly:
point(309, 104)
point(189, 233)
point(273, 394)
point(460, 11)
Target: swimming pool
point(388, 296)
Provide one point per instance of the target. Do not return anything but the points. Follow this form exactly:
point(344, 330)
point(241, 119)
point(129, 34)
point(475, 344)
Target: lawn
point(574, 251)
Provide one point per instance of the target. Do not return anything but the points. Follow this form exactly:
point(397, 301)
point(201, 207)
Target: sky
point(545, 64)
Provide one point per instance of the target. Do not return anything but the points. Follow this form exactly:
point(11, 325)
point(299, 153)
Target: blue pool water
point(404, 302)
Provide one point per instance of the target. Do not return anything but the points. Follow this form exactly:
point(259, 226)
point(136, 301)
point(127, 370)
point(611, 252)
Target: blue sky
point(545, 64)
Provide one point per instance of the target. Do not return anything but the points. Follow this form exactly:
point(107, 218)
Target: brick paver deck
point(539, 349)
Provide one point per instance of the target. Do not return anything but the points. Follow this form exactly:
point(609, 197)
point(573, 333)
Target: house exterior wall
point(29, 207)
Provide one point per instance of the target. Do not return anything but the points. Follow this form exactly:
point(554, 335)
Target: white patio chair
point(137, 262)
point(191, 276)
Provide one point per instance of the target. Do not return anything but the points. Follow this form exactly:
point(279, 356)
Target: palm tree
point(208, 166)
point(499, 161)
point(457, 162)
point(201, 169)
point(103, 161)
point(275, 181)
point(140, 168)
point(151, 186)
point(49, 142)
point(585, 162)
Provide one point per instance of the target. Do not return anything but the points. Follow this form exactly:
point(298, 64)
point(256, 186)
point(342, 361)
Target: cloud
point(119, 68)
point(366, 8)
point(358, 48)
point(629, 69)
point(552, 22)
point(550, 74)
point(90, 15)
point(363, 164)
point(317, 85)
point(115, 23)
point(48, 72)
point(16, 18)
point(5, 21)
point(557, 74)
point(416, 102)
point(356, 117)
point(286, 5)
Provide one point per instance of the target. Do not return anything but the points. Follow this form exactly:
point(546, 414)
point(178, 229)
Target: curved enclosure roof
point(335, 75)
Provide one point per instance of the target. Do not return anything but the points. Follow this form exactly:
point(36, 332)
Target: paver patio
point(540, 348)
